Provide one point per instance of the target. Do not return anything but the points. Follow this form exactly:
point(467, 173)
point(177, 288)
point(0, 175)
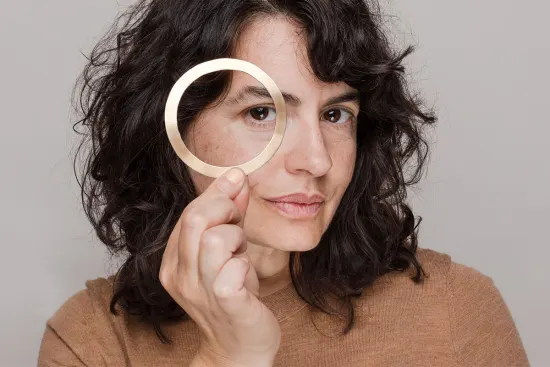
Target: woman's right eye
point(260, 118)
point(262, 113)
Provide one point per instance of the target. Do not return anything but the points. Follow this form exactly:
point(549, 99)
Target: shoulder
point(433, 262)
point(444, 278)
point(482, 329)
point(441, 268)
point(83, 331)
point(85, 305)
point(84, 323)
point(458, 279)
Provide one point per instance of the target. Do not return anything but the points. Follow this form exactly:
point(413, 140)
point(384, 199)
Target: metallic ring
point(171, 115)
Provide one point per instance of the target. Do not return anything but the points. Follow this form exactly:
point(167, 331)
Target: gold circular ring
point(171, 115)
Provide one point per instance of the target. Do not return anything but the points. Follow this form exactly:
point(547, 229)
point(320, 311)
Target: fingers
point(228, 286)
point(196, 220)
point(242, 198)
point(213, 207)
point(218, 245)
point(229, 185)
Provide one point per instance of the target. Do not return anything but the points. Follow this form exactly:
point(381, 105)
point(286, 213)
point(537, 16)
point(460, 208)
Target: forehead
point(278, 46)
point(272, 42)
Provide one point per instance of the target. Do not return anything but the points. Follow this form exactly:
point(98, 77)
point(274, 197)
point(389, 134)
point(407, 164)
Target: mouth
point(296, 210)
point(297, 206)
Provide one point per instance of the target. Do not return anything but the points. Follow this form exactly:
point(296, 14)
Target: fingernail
point(235, 175)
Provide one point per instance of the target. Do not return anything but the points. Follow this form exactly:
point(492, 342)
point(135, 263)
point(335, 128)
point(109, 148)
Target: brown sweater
point(457, 317)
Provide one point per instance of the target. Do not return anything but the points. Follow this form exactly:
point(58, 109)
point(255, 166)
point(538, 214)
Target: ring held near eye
point(256, 119)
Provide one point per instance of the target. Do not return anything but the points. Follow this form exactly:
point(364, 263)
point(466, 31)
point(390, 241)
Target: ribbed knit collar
point(284, 302)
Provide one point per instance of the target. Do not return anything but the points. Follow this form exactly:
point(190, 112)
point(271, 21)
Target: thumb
point(242, 199)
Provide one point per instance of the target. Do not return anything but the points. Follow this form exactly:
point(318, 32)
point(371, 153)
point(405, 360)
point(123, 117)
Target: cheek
point(224, 143)
point(206, 143)
point(343, 155)
point(201, 182)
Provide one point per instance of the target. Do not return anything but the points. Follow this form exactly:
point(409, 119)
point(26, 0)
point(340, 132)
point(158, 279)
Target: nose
point(306, 148)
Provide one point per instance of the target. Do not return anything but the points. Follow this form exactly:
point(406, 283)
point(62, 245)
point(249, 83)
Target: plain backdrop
point(485, 200)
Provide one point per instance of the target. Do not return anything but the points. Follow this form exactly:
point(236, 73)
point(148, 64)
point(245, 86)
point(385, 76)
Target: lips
point(297, 206)
point(298, 198)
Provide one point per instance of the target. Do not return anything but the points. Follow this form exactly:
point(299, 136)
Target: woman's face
point(317, 155)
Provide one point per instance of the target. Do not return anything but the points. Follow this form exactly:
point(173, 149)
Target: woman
point(311, 260)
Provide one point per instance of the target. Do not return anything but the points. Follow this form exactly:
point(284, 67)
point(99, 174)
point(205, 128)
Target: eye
point(262, 113)
point(337, 115)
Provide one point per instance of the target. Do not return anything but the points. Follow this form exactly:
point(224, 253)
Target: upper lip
point(299, 198)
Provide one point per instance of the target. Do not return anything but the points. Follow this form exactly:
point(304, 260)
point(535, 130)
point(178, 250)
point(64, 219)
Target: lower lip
point(296, 211)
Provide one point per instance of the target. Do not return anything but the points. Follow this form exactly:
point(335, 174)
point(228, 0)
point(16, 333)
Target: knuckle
point(222, 292)
point(222, 203)
point(241, 237)
point(236, 235)
point(165, 278)
point(211, 239)
point(193, 218)
point(229, 210)
point(213, 235)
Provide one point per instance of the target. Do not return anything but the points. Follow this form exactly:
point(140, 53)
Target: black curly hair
point(134, 187)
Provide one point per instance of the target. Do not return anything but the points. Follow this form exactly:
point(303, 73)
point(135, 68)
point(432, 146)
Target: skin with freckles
point(317, 155)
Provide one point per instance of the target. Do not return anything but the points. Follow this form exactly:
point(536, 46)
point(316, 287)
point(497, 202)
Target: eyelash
point(352, 117)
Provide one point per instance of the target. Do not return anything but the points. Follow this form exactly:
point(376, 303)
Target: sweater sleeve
point(482, 328)
point(81, 332)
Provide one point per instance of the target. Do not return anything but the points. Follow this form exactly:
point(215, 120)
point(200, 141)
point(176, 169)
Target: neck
point(271, 266)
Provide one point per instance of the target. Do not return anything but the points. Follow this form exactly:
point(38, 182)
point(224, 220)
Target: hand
point(206, 270)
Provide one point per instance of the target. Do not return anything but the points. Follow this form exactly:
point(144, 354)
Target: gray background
point(485, 200)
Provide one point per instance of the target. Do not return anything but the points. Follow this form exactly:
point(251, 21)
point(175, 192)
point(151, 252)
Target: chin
point(266, 227)
point(286, 242)
point(298, 245)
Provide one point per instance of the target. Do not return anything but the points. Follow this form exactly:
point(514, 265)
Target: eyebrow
point(260, 92)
